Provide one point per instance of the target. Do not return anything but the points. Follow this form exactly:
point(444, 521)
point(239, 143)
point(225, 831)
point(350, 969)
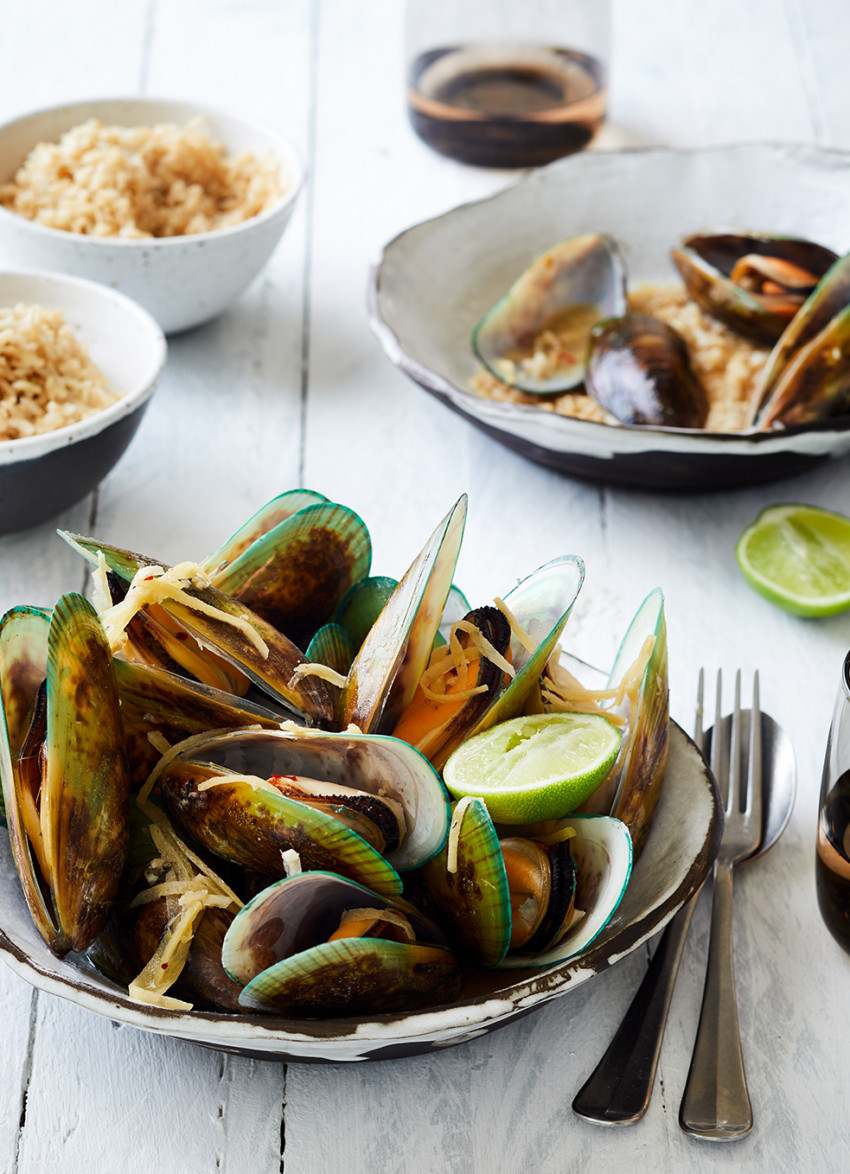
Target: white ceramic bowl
point(434, 281)
point(42, 475)
point(183, 280)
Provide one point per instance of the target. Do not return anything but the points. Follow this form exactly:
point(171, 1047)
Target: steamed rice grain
point(47, 379)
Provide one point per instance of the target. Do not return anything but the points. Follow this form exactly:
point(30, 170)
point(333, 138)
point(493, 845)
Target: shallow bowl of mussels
point(231, 813)
point(667, 319)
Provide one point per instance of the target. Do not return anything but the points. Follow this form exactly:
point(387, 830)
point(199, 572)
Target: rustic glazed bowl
point(182, 280)
point(678, 855)
point(433, 282)
point(42, 475)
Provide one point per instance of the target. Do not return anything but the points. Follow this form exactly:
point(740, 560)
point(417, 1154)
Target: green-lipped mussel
point(312, 772)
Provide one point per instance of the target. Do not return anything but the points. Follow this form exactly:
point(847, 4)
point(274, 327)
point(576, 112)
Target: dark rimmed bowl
point(677, 857)
point(434, 281)
point(42, 475)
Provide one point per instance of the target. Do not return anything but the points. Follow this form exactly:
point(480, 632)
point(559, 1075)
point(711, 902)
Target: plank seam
point(147, 45)
point(283, 1122)
point(808, 74)
point(26, 1076)
point(309, 193)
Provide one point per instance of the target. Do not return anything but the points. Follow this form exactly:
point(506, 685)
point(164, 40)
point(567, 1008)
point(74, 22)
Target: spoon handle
point(620, 1086)
point(716, 1104)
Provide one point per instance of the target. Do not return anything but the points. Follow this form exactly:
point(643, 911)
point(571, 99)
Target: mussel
point(807, 377)
point(637, 691)
point(514, 898)
point(535, 338)
point(340, 800)
point(638, 369)
point(64, 772)
point(317, 945)
point(754, 282)
point(217, 621)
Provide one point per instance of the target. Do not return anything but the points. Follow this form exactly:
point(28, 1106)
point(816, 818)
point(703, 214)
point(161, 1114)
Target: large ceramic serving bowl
point(42, 475)
point(678, 854)
point(435, 281)
point(181, 280)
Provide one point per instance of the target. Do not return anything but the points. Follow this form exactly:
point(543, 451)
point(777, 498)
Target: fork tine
point(733, 802)
point(754, 771)
point(717, 741)
point(699, 731)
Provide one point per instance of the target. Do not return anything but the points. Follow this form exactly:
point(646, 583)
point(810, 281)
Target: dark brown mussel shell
point(279, 946)
point(65, 777)
point(271, 669)
point(753, 282)
point(807, 376)
point(296, 575)
point(639, 371)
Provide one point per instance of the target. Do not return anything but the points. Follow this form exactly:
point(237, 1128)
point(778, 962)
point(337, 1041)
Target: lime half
point(798, 557)
point(537, 767)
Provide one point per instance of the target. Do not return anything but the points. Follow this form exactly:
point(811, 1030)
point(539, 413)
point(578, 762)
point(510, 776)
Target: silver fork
point(619, 1089)
point(716, 1102)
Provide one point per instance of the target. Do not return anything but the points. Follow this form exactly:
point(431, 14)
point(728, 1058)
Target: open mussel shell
point(295, 575)
point(65, 779)
point(278, 946)
point(807, 376)
point(373, 764)
point(638, 369)
point(542, 603)
point(602, 851)
point(753, 282)
point(567, 290)
point(392, 657)
point(473, 899)
point(271, 667)
point(633, 788)
point(252, 826)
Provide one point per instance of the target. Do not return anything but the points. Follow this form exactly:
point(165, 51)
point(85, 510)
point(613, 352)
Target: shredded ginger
point(156, 585)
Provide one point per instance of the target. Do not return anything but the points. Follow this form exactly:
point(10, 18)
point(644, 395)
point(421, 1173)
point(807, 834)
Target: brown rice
point(140, 182)
point(47, 379)
point(727, 365)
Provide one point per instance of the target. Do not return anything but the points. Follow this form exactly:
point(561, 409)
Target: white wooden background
point(290, 388)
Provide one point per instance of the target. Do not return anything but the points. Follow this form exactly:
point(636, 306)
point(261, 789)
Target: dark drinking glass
point(832, 863)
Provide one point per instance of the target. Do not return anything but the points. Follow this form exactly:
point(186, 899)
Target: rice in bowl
point(141, 182)
point(47, 379)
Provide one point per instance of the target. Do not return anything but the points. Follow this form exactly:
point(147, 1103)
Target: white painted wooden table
point(290, 388)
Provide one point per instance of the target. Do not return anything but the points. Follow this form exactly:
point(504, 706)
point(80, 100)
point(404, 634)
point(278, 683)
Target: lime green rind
point(536, 767)
point(798, 557)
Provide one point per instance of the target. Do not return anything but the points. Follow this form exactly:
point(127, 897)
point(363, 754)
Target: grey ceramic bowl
point(678, 855)
point(182, 280)
point(433, 282)
point(42, 475)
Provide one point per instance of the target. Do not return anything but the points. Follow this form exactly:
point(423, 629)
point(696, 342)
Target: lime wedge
point(538, 767)
point(798, 557)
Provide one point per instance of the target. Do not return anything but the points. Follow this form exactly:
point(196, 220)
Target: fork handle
point(619, 1089)
point(716, 1103)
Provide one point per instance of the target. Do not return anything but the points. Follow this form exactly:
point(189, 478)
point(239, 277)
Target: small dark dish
point(42, 475)
point(435, 281)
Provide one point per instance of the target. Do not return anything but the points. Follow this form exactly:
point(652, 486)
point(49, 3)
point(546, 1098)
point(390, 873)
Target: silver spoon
point(620, 1087)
